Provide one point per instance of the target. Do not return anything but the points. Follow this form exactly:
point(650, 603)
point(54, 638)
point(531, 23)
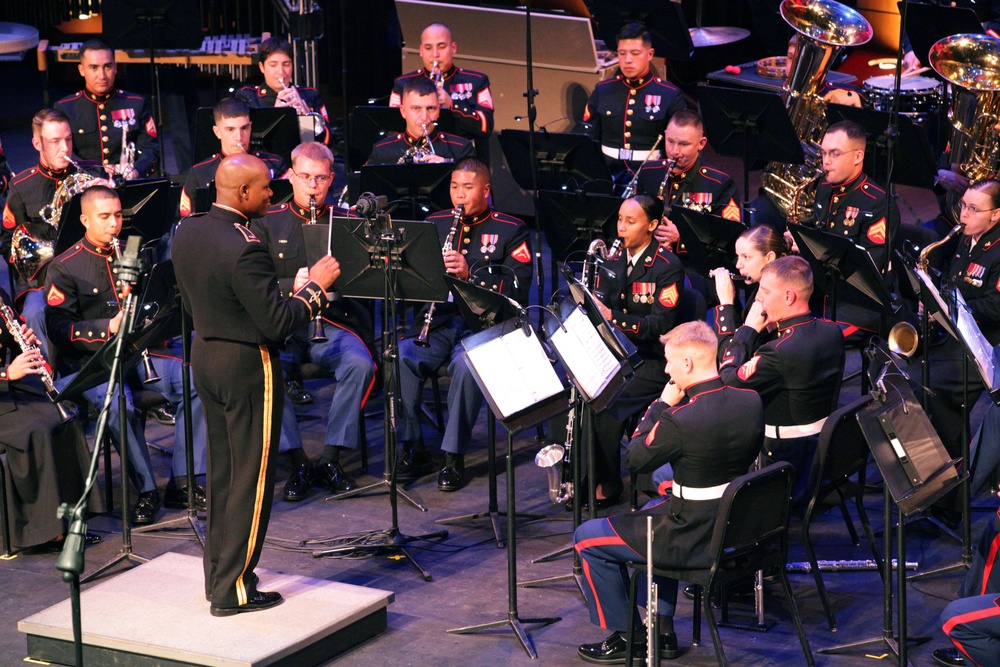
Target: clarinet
point(449, 240)
point(13, 325)
point(666, 180)
point(318, 334)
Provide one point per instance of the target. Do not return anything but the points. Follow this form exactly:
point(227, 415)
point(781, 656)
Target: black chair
point(838, 474)
point(751, 534)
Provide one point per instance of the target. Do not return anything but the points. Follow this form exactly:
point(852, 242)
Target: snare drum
point(918, 95)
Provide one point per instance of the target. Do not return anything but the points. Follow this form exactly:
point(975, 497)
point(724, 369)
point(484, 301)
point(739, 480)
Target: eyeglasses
point(974, 210)
point(306, 178)
point(834, 154)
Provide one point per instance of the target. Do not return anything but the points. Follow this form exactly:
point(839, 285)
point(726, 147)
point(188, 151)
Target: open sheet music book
point(515, 371)
point(585, 354)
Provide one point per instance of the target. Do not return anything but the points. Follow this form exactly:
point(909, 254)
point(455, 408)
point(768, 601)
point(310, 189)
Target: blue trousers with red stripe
point(973, 625)
point(603, 555)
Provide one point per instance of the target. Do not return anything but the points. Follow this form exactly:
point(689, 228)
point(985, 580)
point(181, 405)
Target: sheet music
point(515, 370)
point(585, 354)
point(982, 351)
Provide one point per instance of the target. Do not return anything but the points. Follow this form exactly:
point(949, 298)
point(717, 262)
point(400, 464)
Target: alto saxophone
point(448, 242)
point(13, 325)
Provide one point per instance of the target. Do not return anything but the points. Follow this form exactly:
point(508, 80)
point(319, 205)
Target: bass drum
point(919, 96)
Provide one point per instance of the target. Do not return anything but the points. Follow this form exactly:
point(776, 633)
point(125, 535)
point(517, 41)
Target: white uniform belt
point(627, 154)
point(699, 493)
point(797, 431)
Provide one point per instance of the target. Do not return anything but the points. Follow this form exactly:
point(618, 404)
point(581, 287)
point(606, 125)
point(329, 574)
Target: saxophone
point(824, 27)
point(449, 241)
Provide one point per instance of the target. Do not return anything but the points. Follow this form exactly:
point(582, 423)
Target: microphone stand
point(530, 94)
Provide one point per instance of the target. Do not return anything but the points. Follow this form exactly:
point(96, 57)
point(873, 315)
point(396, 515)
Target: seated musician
point(346, 325)
point(464, 91)
point(33, 210)
point(689, 183)
point(792, 359)
point(105, 119)
point(494, 249)
point(630, 110)
point(276, 56)
point(420, 141)
point(47, 457)
point(755, 248)
point(709, 434)
point(233, 129)
point(83, 311)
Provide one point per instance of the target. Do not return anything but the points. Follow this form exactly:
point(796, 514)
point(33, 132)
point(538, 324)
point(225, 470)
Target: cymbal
point(717, 35)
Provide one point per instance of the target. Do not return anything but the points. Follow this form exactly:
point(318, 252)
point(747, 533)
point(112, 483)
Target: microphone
point(369, 204)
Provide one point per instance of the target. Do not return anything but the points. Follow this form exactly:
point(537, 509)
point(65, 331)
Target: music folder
point(515, 375)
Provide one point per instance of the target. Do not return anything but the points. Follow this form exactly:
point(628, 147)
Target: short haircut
point(792, 271)
point(97, 192)
point(95, 45)
point(695, 334)
point(46, 116)
point(451, 35)
point(854, 132)
point(273, 45)
point(313, 150)
point(230, 107)
point(635, 31)
point(989, 187)
point(475, 165)
point(687, 118)
point(420, 85)
point(651, 206)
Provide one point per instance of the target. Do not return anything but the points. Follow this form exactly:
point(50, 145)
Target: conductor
point(229, 285)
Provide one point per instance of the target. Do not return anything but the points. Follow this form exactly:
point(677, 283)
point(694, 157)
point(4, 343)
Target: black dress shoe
point(297, 486)
point(612, 651)
point(146, 507)
point(176, 497)
point(415, 462)
point(668, 646)
point(56, 546)
point(297, 393)
point(949, 657)
point(257, 602)
point(452, 475)
point(333, 477)
point(164, 414)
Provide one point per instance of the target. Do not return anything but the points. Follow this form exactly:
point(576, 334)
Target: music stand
point(535, 377)
point(146, 211)
point(414, 190)
point(281, 189)
point(750, 125)
point(929, 23)
point(710, 240)
point(913, 145)
point(570, 220)
point(564, 159)
point(664, 20)
point(372, 124)
point(845, 265)
point(397, 260)
point(273, 130)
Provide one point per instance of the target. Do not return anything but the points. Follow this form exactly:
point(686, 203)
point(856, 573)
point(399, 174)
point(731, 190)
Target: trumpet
point(13, 325)
point(425, 330)
point(318, 335)
point(126, 164)
point(437, 76)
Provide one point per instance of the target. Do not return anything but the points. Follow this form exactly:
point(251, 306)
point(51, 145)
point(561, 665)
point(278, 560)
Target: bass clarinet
point(13, 325)
point(447, 247)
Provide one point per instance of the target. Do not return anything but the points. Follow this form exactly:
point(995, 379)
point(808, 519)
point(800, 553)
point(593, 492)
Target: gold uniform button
point(631, 102)
point(725, 329)
point(465, 251)
point(107, 150)
point(466, 228)
point(95, 290)
point(628, 134)
point(465, 240)
point(104, 139)
point(103, 117)
point(628, 146)
point(105, 160)
point(104, 128)
point(628, 123)
point(281, 255)
point(80, 131)
point(629, 112)
point(101, 107)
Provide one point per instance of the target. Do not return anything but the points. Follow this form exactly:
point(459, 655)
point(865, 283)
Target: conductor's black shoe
point(176, 497)
point(949, 657)
point(297, 393)
point(452, 475)
point(333, 477)
point(297, 486)
point(56, 546)
point(415, 462)
point(164, 414)
point(146, 507)
point(258, 601)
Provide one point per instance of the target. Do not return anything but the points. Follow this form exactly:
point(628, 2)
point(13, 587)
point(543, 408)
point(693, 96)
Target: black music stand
point(205, 197)
point(273, 129)
point(664, 20)
point(564, 159)
point(528, 417)
point(397, 261)
point(372, 124)
point(929, 23)
point(413, 190)
point(913, 145)
point(751, 125)
point(846, 266)
point(916, 471)
point(570, 220)
point(710, 240)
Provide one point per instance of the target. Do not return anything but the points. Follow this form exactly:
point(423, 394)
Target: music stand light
point(563, 158)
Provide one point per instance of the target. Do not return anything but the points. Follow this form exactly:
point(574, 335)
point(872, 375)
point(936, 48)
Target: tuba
point(972, 64)
point(824, 28)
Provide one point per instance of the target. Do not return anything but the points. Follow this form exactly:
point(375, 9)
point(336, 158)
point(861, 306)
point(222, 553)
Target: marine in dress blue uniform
point(394, 149)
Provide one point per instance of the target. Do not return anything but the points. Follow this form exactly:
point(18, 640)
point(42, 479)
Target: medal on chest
point(653, 103)
point(851, 215)
point(461, 91)
point(123, 117)
point(489, 243)
point(974, 274)
point(643, 292)
point(698, 201)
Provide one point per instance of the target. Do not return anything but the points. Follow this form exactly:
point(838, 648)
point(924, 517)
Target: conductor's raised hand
point(325, 272)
